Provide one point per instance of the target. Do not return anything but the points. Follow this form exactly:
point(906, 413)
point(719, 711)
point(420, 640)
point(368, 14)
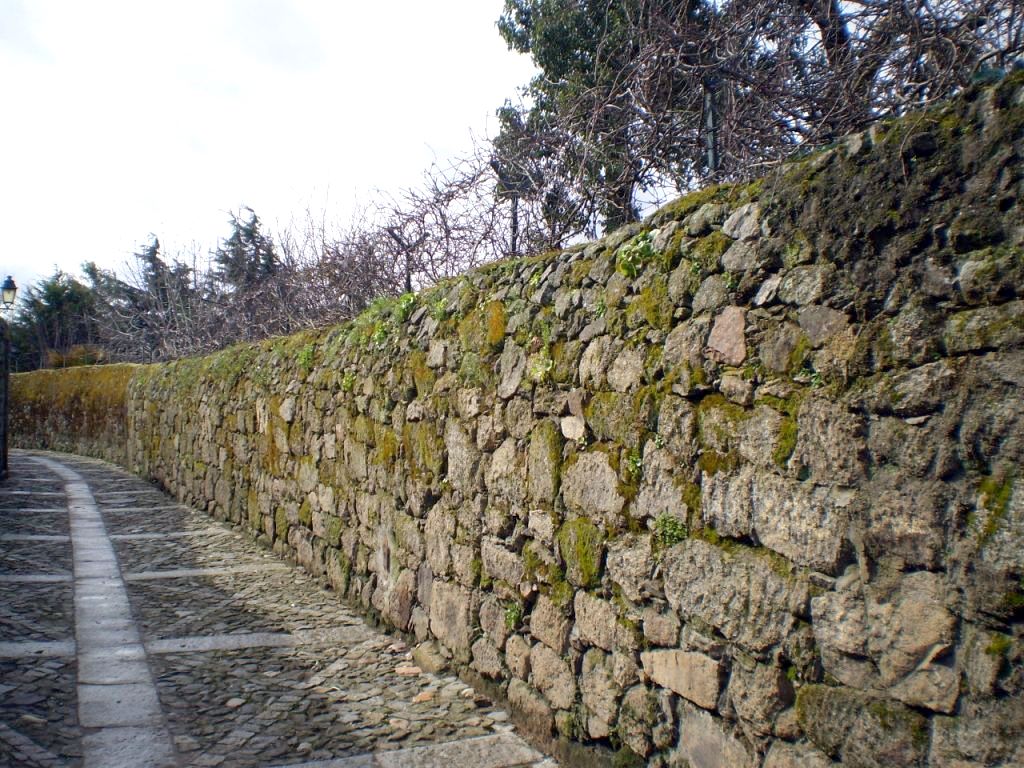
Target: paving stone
point(36, 611)
point(485, 752)
point(28, 556)
point(108, 667)
point(34, 578)
point(121, 705)
point(130, 748)
point(36, 649)
point(38, 711)
point(107, 635)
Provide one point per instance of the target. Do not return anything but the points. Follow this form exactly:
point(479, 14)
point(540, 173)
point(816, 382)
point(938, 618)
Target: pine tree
point(247, 257)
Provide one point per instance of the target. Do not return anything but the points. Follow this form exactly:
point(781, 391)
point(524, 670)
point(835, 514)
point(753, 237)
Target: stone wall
point(736, 486)
point(78, 410)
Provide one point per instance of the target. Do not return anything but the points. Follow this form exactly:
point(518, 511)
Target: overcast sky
point(126, 117)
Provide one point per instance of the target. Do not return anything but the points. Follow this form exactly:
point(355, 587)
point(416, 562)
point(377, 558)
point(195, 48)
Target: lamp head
point(8, 292)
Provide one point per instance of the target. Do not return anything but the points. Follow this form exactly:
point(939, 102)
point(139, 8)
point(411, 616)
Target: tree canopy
point(638, 96)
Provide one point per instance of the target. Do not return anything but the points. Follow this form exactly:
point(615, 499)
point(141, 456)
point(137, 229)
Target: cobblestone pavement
point(137, 632)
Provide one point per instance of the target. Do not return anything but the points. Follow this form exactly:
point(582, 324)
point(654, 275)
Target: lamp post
point(8, 293)
point(513, 183)
point(713, 159)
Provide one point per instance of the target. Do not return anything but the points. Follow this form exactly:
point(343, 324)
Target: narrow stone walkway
point(137, 632)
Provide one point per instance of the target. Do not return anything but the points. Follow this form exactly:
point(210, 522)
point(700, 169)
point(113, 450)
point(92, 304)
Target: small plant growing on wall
point(404, 307)
point(541, 367)
point(306, 358)
point(513, 616)
point(632, 255)
point(380, 335)
point(668, 531)
point(809, 374)
point(439, 308)
point(634, 464)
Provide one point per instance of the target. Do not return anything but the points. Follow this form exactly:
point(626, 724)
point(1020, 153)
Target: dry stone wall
point(736, 486)
point(77, 410)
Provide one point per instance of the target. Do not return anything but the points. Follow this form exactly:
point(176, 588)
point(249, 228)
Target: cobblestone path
point(137, 632)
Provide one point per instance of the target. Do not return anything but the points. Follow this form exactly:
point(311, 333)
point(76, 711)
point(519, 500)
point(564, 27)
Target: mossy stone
point(652, 306)
point(709, 249)
point(425, 451)
point(483, 329)
point(281, 524)
point(581, 544)
point(853, 725)
point(387, 447)
point(474, 372)
point(422, 375)
point(785, 443)
point(718, 421)
point(620, 417)
point(682, 207)
point(306, 514)
point(995, 491)
point(253, 510)
point(565, 356)
point(579, 271)
point(335, 527)
point(544, 461)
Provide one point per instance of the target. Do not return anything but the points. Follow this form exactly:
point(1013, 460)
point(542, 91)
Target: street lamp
point(8, 293)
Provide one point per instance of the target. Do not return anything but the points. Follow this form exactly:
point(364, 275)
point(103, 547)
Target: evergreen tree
point(153, 315)
point(247, 257)
point(55, 323)
point(581, 49)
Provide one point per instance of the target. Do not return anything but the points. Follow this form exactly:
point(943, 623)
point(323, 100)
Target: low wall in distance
point(77, 410)
point(737, 486)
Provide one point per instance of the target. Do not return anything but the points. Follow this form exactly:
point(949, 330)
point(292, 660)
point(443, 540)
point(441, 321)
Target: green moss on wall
point(709, 249)
point(581, 544)
point(786, 442)
point(483, 330)
point(281, 524)
point(689, 203)
point(79, 410)
point(425, 450)
point(422, 375)
point(651, 306)
point(994, 495)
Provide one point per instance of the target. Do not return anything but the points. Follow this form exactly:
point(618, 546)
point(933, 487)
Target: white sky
point(123, 117)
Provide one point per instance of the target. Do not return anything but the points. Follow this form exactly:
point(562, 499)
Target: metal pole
point(407, 250)
point(711, 123)
point(7, 390)
point(515, 225)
